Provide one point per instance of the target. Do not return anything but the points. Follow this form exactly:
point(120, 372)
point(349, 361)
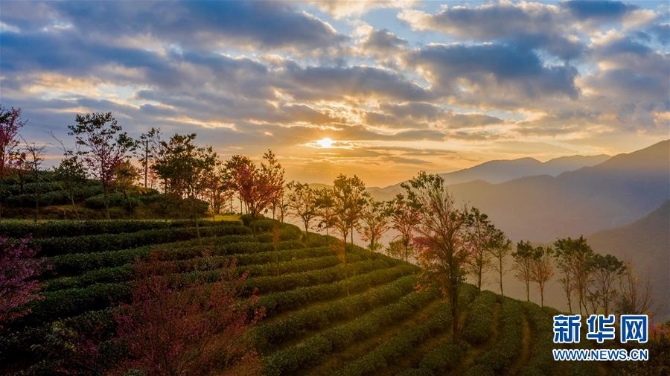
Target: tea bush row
point(282, 301)
point(508, 345)
point(541, 361)
point(19, 229)
point(70, 302)
point(55, 246)
point(321, 316)
point(74, 264)
point(315, 348)
point(479, 324)
point(398, 346)
point(445, 357)
point(125, 272)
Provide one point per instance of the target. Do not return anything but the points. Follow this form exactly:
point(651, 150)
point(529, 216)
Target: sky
point(373, 88)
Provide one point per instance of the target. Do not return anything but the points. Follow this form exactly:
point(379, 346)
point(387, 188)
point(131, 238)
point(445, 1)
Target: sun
point(325, 143)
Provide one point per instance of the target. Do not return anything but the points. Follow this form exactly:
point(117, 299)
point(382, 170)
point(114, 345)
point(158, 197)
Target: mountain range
point(541, 208)
point(647, 243)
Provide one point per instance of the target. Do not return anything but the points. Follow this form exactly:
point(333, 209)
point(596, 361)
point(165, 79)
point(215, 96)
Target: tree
point(105, 147)
point(605, 271)
point(70, 173)
point(18, 278)
point(185, 168)
point(195, 329)
point(574, 260)
point(218, 189)
point(403, 218)
point(523, 264)
point(148, 148)
point(439, 237)
point(125, 176)
point(33, 162)
point(480, 240)
point(500, 248)
point(635, 295)
point(273, 176)
point(301, 201)
point(10, 123)
point(542, 268)
point(375, 222)
point(325, 206)
point(349, 198)
point(261, 188)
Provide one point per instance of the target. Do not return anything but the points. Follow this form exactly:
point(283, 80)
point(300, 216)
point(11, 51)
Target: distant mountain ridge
point(618, 191)
point(499, 171)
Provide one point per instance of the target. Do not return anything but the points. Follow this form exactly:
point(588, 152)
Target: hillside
point(647, 243)
point(611, 194)
point(319, 321)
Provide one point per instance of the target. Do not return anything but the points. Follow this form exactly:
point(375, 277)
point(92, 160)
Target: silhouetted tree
point(325, 206)
point(301, 201)
point(523, 264)
point(480, 239)
point(105, 147)
point(375, 222)
point(440, 236)
point(542, 268)
point(574, 260)
point(33, 162)
point(10, 123)
point(403, 220)
point(499, 250)
point(605, 274)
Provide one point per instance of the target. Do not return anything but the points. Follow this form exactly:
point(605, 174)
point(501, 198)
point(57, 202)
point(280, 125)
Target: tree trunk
point(501, 277)
point(527, 291)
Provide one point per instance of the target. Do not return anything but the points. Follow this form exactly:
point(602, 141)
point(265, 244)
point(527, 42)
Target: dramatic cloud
point(408, 85)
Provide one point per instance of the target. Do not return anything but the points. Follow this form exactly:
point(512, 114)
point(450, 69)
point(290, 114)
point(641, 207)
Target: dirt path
point(526, 343)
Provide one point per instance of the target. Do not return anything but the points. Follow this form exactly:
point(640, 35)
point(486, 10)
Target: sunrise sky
point(378, 89)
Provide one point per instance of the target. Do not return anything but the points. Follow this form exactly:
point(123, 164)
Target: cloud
point(212, 24)
point(524, 25)
point(342, 9)
point(596, 9)
point(421, 115)
point(313, 83)
point(382, 41)
point(493, 70)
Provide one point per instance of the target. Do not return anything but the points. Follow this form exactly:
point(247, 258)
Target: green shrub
point(55, 246)
point(479, 324)
point(315, 348)
point(443, 358)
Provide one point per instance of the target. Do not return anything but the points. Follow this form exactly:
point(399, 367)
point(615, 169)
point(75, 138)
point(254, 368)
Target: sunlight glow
point(325, 143)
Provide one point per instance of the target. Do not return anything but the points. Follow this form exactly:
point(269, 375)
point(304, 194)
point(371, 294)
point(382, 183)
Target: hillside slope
point(647, 243)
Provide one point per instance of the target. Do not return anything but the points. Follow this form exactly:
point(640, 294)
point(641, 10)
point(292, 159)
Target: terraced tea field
point(323, 318)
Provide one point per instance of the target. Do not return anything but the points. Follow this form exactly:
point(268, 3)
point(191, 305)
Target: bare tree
point(542, 268)
point(635, 294)
point(523, 264)
point(499, 250)
point(34, 161)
